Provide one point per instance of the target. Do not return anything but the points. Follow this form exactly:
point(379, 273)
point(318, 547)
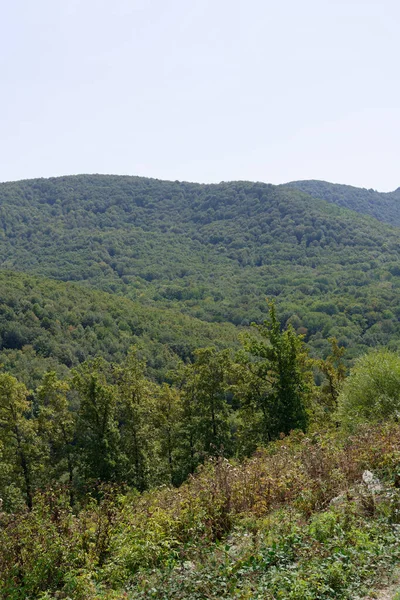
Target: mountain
point(89, 458)
point(214, 252)
point(382, 206)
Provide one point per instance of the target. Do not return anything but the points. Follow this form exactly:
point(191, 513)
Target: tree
point(97, 426)
point(136, 423)
point(278, 380)
point(56, 424)
point(334, 370)
point(168, 422)
point(20, 445)
point(206, 412)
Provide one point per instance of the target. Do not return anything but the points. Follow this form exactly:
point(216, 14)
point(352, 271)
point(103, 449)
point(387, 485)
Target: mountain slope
point(214, 251)
point(382, 206)
point(50, 325)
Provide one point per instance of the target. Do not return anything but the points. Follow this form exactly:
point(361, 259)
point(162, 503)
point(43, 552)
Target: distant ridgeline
point(383, 206)
point(186, 255)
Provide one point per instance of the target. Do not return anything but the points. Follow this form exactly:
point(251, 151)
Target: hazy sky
point(202, 90)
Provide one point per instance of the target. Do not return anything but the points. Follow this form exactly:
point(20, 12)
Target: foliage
point(334, 370)
point(97, 430)
point(372, 390)
point(108, 422)
point(206, 426)
point(138, 424)
point(52, 326)
point(212, 251)
point(381, 206)
point(262, 529)
point(56, 428)
point(19, 443)
point(279, 385)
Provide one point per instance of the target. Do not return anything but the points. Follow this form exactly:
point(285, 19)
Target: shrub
point(371, 393)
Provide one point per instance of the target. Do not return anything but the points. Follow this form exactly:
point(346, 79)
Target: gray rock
point(371, 482)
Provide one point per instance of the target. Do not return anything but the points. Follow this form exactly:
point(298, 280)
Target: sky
point(202, 90)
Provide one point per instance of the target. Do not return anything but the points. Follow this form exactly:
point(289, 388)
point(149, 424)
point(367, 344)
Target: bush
point(372, 390)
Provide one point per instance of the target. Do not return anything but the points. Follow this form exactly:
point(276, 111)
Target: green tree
point(97, 426)
point(206, 413)
point(137, 415)
point(334, 370)
point(168, 422)
point(57, 427)
point(279, 378)
point(19, 444)
point(252, 392)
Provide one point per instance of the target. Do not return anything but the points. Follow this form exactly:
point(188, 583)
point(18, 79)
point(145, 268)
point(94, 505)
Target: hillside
point(45, 325)
point(293, 522)
point(212, 251)
point(382, 206)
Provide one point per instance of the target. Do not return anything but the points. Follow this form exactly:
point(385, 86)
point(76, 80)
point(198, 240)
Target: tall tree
point(334, 370)
point(21, 449)
point(279, 378)
point(97, 426)
point(137, 422)
point(168, 421)
point(57, 426)
point(206, 424)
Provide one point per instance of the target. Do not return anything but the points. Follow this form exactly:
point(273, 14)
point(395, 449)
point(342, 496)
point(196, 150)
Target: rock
point(371, 482)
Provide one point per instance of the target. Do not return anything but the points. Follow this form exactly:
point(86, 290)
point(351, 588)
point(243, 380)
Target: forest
point(194, 382)
point(383, 206)
point(214, 252)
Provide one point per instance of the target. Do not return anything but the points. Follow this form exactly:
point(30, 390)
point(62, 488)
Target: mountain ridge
point(190, 182)
point(384, 206)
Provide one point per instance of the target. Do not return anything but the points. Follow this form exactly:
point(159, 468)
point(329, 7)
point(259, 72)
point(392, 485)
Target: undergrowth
point(294, 522)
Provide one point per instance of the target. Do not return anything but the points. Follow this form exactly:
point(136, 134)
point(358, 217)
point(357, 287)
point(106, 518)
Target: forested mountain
point(127, 370)
point(383, 206)
point(212, 251)
point(49, 325)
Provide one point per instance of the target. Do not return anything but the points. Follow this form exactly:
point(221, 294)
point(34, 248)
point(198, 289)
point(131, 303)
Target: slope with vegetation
point(49, 325)
point(107, 421)
point(200, 462)
point(78, 456)
point(264, 529)
point(384, 207)
point(213, 251)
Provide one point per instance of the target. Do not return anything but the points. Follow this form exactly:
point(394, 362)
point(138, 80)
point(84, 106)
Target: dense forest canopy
point(212, 251)
point(49, 325)
point(383, 206)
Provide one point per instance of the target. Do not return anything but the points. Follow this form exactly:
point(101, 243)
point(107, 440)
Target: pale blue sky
point(202, 90)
